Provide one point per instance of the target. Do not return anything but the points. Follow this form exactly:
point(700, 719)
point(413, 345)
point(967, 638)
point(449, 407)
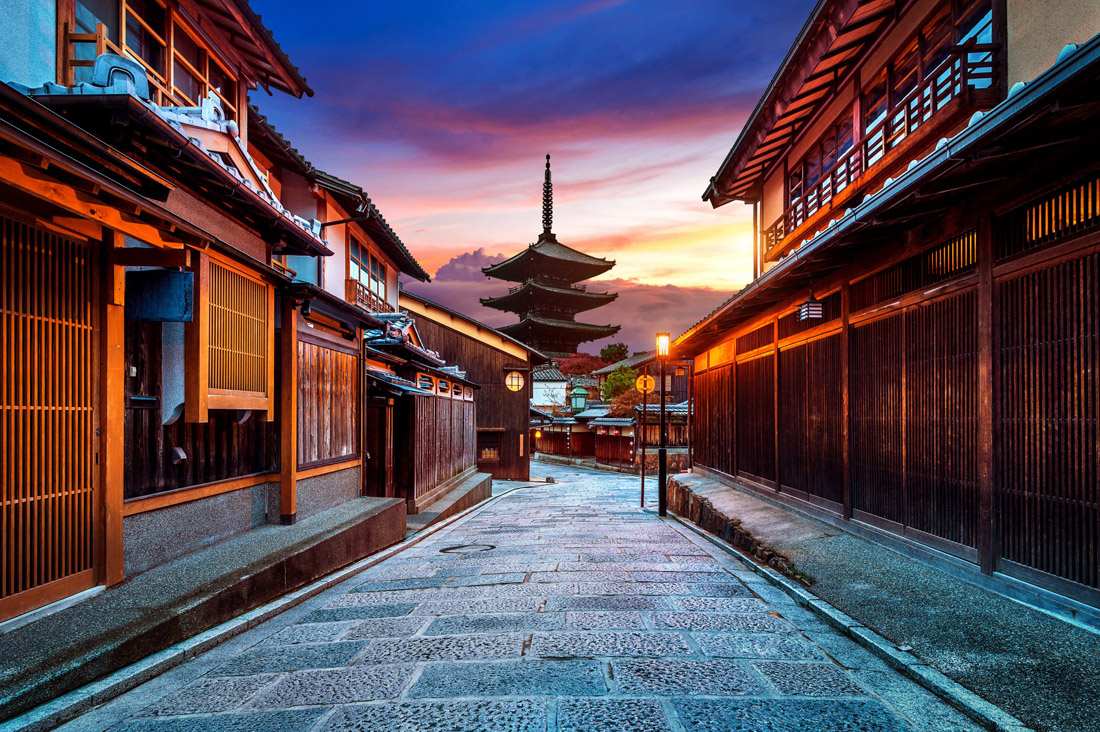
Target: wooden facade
point(436, 440)
point(503, 415)
point(947, 394)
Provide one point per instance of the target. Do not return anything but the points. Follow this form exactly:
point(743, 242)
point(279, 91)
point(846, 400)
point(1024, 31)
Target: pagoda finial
point(547, 200)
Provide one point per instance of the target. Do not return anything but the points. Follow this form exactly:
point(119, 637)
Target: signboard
point(645, 384)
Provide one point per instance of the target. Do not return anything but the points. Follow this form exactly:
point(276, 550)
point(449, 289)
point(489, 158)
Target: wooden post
point(845, 401)
point(986, 543)
point(775, 401)
point(113, 408)
point(288, 415)
point(196, 346)
point(645, 407)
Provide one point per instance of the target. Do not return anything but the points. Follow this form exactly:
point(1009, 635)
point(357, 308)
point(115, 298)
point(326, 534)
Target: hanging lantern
point(578, 398)
point(811, 309)
point(538, 434)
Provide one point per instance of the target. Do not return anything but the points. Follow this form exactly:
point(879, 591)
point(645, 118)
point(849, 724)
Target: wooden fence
point(328, 404)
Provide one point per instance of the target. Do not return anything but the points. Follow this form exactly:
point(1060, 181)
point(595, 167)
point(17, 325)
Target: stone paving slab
point(588, 613)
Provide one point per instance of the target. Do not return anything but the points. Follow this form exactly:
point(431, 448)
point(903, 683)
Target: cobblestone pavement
point(557, 607)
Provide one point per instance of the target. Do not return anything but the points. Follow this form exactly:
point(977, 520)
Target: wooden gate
point(48, 391)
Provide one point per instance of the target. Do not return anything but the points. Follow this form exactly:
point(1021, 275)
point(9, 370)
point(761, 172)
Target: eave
point(532, 293)
point(1020, 133)
point(536, 260)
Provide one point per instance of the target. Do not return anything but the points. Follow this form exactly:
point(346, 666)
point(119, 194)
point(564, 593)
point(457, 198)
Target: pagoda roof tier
point(532, 294)
point(536, 329)
point(549, 258)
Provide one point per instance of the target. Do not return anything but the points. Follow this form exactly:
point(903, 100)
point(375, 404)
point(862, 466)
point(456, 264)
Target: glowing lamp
point(538, 434)
point(662, 345)
point(514, 381)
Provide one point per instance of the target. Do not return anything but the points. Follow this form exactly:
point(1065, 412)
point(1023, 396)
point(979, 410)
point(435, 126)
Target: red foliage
point(580, 364)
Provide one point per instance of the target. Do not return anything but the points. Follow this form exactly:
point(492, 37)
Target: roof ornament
point(547, 200)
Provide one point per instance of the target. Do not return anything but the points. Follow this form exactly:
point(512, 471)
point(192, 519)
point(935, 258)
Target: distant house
point(550, 387)
point(676, 377)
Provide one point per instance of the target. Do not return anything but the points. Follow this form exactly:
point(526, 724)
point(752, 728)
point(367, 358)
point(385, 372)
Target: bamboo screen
point(48, 322)
point(238, 332)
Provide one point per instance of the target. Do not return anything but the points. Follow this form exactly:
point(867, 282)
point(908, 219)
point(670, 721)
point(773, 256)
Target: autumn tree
point(580, 364)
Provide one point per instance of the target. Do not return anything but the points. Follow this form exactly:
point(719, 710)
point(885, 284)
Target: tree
point(614, 353)
point(580, 364)
point(619, 381)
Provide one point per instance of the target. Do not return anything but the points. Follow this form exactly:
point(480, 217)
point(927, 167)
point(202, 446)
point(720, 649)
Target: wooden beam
point(196, 342)
point(288, 414)
point(986, 541)
point(30, 180)
point(112, 409)
point(142, 257)
point(845, 401)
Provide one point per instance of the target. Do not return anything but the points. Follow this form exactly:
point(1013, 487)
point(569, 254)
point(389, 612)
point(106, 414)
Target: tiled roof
point(566, 324)
point(548, 373)
point(594, 411)
point(612, 422)
point(681, 408)
point(639, 359)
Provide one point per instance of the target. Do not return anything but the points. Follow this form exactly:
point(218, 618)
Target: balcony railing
point(361, 295)
point(968, 69)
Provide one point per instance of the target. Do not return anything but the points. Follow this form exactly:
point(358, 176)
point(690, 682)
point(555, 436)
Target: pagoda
point(549, 295)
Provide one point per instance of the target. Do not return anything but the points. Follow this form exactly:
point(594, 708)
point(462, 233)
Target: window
point(488, 446)
point(146, 24)
point(514, 381)
point(825, 161)
point(367, 269)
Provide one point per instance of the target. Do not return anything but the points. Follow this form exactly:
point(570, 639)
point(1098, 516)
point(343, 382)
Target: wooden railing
point(158, 84)
point(361, 295)
point(969, 68)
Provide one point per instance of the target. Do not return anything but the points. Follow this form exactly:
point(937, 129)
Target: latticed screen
point(1072, 210)
point(954, 257)
point(238, 331)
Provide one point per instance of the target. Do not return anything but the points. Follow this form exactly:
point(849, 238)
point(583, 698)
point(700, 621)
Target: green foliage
point(618, 381)
point(614, 352)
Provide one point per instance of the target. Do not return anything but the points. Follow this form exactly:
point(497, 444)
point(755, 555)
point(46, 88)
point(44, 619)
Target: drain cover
point(467, 548)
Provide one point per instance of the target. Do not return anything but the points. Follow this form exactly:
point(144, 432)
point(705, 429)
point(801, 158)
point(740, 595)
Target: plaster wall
point(1037, 31)
point(28, 41)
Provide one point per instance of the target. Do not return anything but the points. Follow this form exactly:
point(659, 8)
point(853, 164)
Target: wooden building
point(916, 356)
point(501, 367)
point(549, 294)
point(184, 296)
point(676, 376)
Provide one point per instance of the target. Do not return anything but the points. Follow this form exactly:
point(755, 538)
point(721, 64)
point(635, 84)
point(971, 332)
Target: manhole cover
point(467, 548)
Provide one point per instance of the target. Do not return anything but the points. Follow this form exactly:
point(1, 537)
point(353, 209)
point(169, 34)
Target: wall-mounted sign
point(160, 295)
point(645, 384)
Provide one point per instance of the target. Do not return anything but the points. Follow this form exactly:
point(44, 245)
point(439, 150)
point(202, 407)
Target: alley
point(562, 606)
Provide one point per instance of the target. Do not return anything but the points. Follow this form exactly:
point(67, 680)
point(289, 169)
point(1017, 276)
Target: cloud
point(641, 309)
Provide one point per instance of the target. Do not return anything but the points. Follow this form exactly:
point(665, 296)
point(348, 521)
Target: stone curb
point(981, 711)
point(71, 705)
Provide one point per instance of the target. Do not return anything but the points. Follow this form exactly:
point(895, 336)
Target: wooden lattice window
point(1073, 209)
point(230, 347)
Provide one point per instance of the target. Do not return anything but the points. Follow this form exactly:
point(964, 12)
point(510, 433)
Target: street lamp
point(578, 398)
point(662, 451)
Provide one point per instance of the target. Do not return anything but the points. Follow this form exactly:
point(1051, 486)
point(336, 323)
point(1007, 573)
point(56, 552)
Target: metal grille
point(238, 331)
point(952, 258)
point(790, 325)
point(48, 323)
point(811, 418)
point(762, 336)
point(1049, 451)
point(756, 417)
point(1071, 210)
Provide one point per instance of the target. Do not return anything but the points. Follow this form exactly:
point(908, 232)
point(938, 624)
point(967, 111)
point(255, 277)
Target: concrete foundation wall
point(155, 537)
point(327, 491)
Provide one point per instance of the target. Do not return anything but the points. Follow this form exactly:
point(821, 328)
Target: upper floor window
point(822, 161)
point(368, 269)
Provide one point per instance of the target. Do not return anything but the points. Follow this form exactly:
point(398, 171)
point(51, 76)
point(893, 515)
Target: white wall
point(548, 393)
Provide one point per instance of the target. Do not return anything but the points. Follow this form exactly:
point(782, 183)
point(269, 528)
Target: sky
point(444, 112)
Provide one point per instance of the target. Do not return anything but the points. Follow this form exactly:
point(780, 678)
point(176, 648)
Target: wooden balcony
point(361, 295)
point(967, 81)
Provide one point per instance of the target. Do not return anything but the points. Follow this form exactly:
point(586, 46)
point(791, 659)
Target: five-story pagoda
point(549, 296)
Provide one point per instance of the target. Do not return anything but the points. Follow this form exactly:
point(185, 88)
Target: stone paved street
point(556, 607)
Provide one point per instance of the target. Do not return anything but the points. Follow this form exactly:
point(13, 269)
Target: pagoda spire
point(547, 200)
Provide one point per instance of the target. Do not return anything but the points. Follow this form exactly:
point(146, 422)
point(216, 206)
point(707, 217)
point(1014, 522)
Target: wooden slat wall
point(712, 428)
point(444, 441)
point(553, 443)
point(48, 389)
point(756, 417)
point(328, 396)
point(1048, 458)
point(238, 331)
point(220, 449)
point(941, 419)
point(615, 450)
point(877, 369)
point(811, 418)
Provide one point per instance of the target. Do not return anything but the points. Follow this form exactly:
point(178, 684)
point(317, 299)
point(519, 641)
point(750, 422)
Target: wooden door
point(48, 420)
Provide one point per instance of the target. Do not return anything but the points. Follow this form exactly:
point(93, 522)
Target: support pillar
point(288, 415)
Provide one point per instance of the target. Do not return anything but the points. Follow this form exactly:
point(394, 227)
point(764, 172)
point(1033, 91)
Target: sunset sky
point(445, 111)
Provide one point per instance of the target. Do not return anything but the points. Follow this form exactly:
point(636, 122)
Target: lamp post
point(662, 451)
